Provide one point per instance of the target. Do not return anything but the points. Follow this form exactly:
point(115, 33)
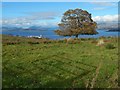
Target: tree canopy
point(75, 22)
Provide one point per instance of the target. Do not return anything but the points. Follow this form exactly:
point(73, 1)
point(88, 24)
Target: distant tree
point(75, 22)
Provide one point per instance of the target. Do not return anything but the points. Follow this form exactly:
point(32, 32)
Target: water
point(50, 33)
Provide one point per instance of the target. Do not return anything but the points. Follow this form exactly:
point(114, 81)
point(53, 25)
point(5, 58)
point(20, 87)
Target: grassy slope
point(57, 64)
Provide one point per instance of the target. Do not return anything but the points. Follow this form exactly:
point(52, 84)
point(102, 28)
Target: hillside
point(40, 63)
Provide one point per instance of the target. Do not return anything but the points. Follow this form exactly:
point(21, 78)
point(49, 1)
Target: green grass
point(57, 64)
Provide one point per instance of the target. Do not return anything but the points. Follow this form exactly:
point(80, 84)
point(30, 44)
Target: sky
point(25, 14)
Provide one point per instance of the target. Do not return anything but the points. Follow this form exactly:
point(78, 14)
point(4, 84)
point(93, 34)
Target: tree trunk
point(76, 36)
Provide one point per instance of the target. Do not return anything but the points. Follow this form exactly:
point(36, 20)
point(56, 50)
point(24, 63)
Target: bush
point(33, 42)
point(94, 41)
point(110, 46)
point(70, 41)
point(102, 37)
point(60, 41)
point(83, 39)
point(11, 42)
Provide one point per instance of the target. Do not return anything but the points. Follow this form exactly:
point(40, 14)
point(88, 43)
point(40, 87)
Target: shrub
point(102, 37)
point(110, 46)
point(83, 39)
point(65, 40)
point(70, 40)
point(11, 42)
point(60, 41)
point(107, 41)
point(33, 42)
point(94, 41)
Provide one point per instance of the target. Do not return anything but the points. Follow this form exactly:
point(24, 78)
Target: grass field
point(39, 63)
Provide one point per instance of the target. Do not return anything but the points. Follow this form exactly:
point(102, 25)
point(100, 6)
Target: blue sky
point(49, 13)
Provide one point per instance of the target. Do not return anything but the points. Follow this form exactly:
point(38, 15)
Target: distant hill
point(11, 28)
point(108, 26)
point(29, 28)
point(114, 30)
point(112, 26)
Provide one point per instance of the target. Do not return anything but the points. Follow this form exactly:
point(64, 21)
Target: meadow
point(40, 63)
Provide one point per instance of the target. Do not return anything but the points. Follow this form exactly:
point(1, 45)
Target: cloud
point(106, 18)
point(25, 22)
point(43, 15)
point(33, 18)
point(104, 3)
point(98, 8)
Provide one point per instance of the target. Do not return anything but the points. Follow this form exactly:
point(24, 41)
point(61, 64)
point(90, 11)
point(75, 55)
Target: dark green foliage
point(109, 46)
point(30, 42)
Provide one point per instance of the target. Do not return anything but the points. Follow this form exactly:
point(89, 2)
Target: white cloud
point(43, 15)
point(24, 22)
point(98, 8)
point(36, 18)
point(104, 3)
point(106, 18)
